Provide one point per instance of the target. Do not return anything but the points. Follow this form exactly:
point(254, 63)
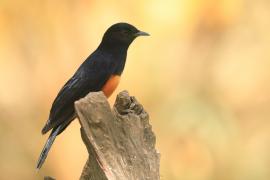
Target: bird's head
point(121, 34)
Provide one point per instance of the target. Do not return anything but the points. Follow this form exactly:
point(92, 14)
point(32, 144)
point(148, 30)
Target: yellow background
point(203, 75)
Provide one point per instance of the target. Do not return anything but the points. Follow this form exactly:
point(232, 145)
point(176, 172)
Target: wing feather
point(77, 87)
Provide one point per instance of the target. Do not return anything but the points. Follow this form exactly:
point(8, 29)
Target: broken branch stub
point(120, 142)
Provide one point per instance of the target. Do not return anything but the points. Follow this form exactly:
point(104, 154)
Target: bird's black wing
point(83, 82)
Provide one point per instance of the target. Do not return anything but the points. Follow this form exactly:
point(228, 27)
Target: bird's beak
point(141, 33)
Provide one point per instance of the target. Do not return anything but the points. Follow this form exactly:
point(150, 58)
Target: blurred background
point(203, 75)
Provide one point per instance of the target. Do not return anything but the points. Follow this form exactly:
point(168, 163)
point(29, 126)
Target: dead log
point(120, 142)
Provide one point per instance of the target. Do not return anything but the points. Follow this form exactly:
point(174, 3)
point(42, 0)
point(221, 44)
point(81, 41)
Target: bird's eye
point(125, 32)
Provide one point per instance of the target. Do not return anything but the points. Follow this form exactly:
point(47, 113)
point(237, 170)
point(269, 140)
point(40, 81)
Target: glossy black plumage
point(91, 76)
point(107, 60)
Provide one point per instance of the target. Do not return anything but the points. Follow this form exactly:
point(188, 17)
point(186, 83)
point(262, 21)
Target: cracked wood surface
point(120, 141)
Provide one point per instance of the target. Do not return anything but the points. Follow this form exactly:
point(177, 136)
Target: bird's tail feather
point(47, 146)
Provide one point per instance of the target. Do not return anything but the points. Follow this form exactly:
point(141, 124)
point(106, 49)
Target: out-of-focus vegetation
point(203, 75)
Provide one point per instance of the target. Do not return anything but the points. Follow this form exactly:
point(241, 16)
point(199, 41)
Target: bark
point(120, 141)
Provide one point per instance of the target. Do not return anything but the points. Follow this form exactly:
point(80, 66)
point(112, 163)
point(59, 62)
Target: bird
point(101, 71)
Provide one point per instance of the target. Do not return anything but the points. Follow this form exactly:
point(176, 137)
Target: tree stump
point(120, 142)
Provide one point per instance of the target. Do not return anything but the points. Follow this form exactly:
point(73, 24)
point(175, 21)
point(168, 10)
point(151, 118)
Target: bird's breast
point(111, 85)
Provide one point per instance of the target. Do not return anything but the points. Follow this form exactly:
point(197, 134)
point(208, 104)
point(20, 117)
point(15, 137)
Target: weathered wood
point(120, 142)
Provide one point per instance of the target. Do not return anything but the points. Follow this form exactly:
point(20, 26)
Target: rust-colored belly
point(111, 85)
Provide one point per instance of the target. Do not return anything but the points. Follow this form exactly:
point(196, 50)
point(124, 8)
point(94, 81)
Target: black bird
point(100, 71)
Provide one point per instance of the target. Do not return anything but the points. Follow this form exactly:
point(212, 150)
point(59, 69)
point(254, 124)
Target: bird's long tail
point(47, 146)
